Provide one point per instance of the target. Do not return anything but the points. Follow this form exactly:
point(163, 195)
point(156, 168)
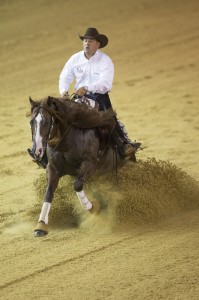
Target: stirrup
point(129, 152)
point(137, 146)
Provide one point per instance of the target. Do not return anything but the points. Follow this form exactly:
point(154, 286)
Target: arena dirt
point(144, 243)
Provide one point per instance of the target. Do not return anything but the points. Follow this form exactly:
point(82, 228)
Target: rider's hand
point(64, 94)
point(81, 91)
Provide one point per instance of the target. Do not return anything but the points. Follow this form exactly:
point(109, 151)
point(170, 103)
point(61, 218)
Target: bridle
point(50, 128)
point(51, 122)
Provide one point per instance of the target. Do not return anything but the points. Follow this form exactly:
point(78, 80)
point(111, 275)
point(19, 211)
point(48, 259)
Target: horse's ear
point(31, 101)
point(52, 103)
point(49, 100)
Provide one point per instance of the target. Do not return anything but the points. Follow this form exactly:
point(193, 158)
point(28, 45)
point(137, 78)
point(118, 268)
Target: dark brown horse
point(77, 140)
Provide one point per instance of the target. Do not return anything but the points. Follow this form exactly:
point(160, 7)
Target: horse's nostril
point(38, 152)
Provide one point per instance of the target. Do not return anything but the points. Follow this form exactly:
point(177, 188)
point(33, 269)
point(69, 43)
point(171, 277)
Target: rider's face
point(90, 46)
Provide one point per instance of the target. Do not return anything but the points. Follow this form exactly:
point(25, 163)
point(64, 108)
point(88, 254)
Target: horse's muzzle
point(42, 161)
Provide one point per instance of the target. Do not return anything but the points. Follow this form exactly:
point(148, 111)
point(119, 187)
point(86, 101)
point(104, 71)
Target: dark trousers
point(104, 103)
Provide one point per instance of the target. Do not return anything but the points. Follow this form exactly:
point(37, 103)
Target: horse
point(77, 140)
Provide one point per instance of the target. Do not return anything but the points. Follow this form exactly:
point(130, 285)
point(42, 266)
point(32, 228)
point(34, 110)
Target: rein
point(69, 127)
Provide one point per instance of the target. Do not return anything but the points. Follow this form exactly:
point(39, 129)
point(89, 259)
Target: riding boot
point(42, 162)
point(126, 147)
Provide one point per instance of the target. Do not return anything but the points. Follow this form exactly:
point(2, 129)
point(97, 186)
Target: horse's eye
point(32, 124)
point(46, 122)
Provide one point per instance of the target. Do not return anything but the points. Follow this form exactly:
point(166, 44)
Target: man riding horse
point(93, 72)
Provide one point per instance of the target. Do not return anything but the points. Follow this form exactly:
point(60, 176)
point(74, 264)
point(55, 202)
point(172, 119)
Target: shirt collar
point(95, 55)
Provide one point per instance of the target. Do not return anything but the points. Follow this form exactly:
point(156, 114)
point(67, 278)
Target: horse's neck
point(58, 132)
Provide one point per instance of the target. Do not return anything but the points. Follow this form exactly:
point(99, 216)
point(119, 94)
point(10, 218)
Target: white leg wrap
point(44, 212)
point(85, 203)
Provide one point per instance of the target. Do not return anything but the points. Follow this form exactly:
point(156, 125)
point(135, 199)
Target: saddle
point(126, 151)
point(116, 139)
point(92, 104)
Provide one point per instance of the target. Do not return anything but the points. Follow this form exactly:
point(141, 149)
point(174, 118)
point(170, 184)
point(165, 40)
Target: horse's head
point(41, 123)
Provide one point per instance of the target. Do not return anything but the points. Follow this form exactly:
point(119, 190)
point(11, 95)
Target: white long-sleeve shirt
point(95, 74)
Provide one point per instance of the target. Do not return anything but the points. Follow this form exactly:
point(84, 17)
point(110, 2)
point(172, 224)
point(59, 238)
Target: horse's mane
point(79, 115)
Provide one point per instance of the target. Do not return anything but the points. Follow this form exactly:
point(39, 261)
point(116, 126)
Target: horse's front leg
point(52, 183)
point(86, 170)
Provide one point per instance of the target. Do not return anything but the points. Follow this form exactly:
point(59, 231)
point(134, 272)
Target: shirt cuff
point(63, 93)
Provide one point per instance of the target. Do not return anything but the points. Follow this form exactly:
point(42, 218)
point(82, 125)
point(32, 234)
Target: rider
point(93, 72)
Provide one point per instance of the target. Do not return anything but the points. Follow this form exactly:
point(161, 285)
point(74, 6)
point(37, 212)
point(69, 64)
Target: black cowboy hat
point(92, 33)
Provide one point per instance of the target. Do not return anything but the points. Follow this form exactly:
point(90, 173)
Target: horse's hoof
point(40, 233)
point(95, 207)
point(41, 229)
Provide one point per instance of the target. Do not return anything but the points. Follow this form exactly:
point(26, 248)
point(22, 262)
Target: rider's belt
point(94, 96)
